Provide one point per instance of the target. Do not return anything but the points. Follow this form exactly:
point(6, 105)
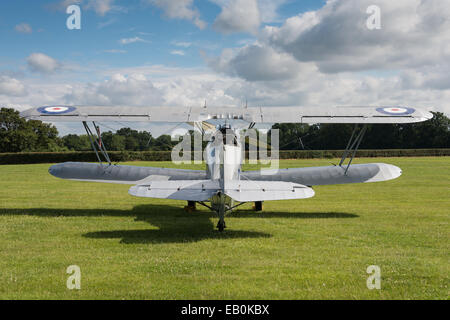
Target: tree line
point(434, 133)
point(21, 135)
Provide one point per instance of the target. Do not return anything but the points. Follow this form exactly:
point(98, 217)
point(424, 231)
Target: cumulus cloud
point(180, 9)
point(238, 16)
point(329, 57)
point(156, 85)
point(258, 63)
point(42, 63)
point(268, 9)
point(319, 58)
point(414, 33)
point(11, 87)
point(23, 28)
point(119, 90)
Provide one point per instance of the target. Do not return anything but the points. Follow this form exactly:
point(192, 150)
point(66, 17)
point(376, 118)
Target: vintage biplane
point(223, 186)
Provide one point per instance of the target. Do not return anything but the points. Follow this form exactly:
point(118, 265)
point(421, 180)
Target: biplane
point(223, 185)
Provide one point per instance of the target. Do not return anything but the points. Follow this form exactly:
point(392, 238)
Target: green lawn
point(134, 248)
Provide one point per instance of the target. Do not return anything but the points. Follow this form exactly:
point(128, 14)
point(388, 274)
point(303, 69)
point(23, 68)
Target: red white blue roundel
point(56, 110)
point(396, 111)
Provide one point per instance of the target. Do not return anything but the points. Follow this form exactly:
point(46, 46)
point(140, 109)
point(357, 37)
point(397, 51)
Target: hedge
point(121, 156)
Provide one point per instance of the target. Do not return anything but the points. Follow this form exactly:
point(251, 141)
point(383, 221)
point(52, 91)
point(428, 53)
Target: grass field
point(320, 248)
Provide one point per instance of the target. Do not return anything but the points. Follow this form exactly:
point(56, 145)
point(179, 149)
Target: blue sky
point(268, 52)
point(161, 40)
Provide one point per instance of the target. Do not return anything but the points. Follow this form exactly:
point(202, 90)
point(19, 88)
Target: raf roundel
point(396, 111)
point(56, 110)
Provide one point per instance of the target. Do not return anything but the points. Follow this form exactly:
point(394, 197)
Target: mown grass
point(132, 248)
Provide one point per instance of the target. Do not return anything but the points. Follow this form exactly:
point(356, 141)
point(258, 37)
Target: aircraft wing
point(242, 191)
point(198, 190)
point(119, 174)
point(307, 115)
point(316, 176)
point(249, 191)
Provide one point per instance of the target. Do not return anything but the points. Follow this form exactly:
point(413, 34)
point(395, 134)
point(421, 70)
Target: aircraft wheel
point(221, 226)
point(258, 206)
point(191, 207)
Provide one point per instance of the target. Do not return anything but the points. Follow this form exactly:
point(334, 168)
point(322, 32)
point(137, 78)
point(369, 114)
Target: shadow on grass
point(172, 224)
point(291, 215)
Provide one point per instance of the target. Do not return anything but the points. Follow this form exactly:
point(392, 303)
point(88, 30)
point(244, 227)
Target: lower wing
point(316, 176)
point(120, 174)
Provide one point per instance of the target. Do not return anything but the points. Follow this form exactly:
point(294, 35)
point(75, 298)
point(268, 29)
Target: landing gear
point(221, 225)
point(258, 206)
point(222, 210)
point(221, 204)
point(191, 207)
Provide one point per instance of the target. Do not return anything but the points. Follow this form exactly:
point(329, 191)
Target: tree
point(19, 135)
point(118, 143)
point(163, 143)
point(77, 143)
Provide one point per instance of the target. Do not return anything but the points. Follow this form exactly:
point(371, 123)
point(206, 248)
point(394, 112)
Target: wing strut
point(96, 142)
point(352, 146)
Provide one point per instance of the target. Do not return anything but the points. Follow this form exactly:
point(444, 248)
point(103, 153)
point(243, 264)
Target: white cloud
point(238, 16)
point(23, 28)
point(308, 60)
point(41, 63)
point(177, 52)
point(414, 33)
point(159, 85)
point(183, 44)
point(126, 41)
point(329, 57)
point(11, 87)
point(268, 10)
point(119, 90)
point(180, 9)
point(101, 7)
point(258, 63)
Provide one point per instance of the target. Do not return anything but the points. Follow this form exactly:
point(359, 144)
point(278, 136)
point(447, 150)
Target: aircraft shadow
point(291, 215)
point(172, 224)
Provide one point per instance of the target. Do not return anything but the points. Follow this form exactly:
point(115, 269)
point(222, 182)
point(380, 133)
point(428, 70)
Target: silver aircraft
point(223, 186)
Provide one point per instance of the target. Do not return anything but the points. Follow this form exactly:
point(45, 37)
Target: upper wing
point(117, 113)
point(369, 115)
point(307, 115)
